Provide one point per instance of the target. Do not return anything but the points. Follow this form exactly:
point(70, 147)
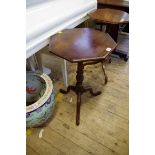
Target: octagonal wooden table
point(83, 46)
point(112, 18)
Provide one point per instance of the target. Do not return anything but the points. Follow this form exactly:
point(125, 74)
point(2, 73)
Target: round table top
point(110, 16)
point(81, 44)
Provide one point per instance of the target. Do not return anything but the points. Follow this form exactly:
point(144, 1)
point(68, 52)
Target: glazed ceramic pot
point(39, 98)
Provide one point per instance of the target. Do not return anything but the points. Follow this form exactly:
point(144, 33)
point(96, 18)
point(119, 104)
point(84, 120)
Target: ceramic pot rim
point(44, 98)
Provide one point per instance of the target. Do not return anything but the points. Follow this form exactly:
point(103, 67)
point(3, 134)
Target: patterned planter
point(39, 98)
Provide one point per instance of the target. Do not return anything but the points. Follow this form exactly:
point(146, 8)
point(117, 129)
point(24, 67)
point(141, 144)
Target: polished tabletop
point(82, 44)
point(120, 3)
point(111, 16)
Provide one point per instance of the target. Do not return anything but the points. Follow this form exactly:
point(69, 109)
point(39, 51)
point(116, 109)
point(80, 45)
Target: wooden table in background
point(112, 18)
point(114, 4)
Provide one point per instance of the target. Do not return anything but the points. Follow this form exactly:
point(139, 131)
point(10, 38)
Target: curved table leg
point(68, 89)
point(105, 75)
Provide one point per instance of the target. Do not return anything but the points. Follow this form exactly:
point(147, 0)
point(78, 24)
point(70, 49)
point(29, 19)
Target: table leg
point(64, 72)
point(105, 75)
point(112, 30)
point(79, 89)
point(78, 108)
point(33, 64)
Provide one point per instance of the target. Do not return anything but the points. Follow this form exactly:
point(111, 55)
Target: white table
point(45, 18)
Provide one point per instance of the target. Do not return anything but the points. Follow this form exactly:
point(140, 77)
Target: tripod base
point(79, 89)
point(79, 92)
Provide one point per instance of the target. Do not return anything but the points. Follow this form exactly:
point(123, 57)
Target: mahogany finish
point(83, 46)
point(110, 16)
point(119, 3)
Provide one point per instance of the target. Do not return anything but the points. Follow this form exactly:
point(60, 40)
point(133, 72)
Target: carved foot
point(91, 91)
point(126, 58)
point(68, 89)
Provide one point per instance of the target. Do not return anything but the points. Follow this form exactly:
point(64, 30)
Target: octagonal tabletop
point(81, 44)
point(111, 16)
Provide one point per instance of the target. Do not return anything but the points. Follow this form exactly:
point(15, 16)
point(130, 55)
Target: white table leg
point(32, 63)
point(47, 71)
point(64, 72)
